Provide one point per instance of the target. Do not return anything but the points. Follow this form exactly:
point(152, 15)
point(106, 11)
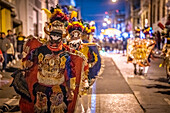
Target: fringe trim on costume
point(58, 109)
point(49, 81)
point(40, 110)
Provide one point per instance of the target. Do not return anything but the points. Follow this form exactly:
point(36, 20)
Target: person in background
point(115, 40)
point(110, 43)
point(12, 38)
point(11, 50)
point(4, 46)
point(10, 55)
point(124, 45)
point(20, 43)
point(15, 48)
point(158, 40)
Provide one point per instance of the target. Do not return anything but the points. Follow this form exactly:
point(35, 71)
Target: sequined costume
point(166, 47)
point(138, 50)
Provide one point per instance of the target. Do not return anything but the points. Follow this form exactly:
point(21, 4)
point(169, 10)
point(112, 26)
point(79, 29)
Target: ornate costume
point(95, 62)
point(51, 66)
point(74, 41)
point(138, 50)
point(166, 47)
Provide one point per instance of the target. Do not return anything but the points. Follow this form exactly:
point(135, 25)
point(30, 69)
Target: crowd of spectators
point(11, 47)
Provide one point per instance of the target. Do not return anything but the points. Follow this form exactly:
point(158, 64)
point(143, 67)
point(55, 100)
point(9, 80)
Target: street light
point(92, 23)
point(108, 22)
point(114, 1)
point(104, 24)
point(106, 19)
point(102, 30)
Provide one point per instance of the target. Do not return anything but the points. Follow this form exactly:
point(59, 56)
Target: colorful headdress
point(137, 32)
point(57, 19)
point(75, 26)
point(88, 29)
point(146, 31)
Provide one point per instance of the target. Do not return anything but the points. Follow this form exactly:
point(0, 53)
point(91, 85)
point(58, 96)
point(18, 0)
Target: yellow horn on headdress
point(73, 14)
point(47, 12)
point(47, 28)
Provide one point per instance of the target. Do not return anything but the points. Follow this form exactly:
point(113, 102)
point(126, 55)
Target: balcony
point(7, 3)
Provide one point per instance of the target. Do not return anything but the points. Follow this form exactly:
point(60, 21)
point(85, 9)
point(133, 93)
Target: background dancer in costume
point(95, 61)
point(74, 41)
point(148, 37)
point(139, 52)
point(137, 36)
point(166, 47)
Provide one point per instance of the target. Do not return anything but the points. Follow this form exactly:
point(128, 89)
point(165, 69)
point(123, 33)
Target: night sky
point(95, 9)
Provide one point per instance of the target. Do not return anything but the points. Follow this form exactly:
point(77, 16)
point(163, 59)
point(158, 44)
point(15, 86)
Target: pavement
point(153, 91)
point(116, 90)
point(109, 94)
point(7, 94)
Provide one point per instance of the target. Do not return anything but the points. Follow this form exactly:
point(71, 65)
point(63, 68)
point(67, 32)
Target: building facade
point(159, 13)
point(147, 12)
point(24, 16)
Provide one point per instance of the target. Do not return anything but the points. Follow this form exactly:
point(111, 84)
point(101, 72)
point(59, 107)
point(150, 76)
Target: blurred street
point(85, 56)
point(116, 90)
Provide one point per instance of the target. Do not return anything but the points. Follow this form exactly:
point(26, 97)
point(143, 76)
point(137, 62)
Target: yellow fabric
point(85, 50)
point(73, 14)
point(20, 38)
point(63, 60)
point(95, 56)
point(73, 83)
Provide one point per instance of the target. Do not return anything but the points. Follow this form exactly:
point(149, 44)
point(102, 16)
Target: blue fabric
point(85, 41)
point(96, 68)
point(5, 61)
point(68, 67)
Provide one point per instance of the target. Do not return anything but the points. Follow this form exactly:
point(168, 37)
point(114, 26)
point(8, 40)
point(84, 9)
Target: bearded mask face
point(55, 38)
point(75, 40)
point(75, 44)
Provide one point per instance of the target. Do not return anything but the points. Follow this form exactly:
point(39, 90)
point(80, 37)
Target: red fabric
point(32, 44)
point(65, 75)
point(31, 78)
point(60, 46)
point(0, 52)
point(161, 26)
point(26, 106)
point(78, 68)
